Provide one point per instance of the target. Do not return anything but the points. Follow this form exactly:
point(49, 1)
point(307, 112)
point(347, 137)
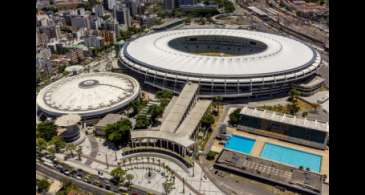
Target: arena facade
point(88, 95)
point(225, 62)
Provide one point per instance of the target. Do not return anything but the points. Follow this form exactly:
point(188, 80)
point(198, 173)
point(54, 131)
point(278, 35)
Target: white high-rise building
point(98, 10)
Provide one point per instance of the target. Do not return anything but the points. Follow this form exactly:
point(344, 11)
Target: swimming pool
point(240, 144)
point(291, 157)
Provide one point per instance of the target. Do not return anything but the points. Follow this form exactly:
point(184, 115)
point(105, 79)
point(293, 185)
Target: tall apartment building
point(76, 55)
point(78, 22)
point(98, 10)
point(108, 36)
point(170, 4)
point(94, 41)
point(123, 15)
point(109, 4)
point(187, 2)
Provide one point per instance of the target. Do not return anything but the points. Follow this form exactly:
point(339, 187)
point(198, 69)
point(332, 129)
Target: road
point(82, 185)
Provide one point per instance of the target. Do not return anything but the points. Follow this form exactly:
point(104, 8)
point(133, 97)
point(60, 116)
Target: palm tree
point(79, 152)
point(129, 178)
point(71, 148)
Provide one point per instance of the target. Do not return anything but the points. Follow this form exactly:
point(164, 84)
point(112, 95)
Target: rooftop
point(68, 120)
point(285, 118)
point(109, 119)
point(85, 94)
point(175, 127)
point(153, 52)
point(178, 110)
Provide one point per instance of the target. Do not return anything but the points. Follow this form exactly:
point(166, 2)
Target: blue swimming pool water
point(291, 157)
point(240, 144)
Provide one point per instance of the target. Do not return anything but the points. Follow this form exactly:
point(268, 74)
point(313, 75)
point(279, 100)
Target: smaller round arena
point(88, 95)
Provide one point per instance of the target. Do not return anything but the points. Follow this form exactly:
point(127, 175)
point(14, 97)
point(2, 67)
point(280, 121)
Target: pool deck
point(260, 142)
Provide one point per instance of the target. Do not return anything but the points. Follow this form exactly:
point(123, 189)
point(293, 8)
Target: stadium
point(88, 95)
point(225, 62)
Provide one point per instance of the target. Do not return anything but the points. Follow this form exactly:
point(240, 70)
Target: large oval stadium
point(225, 62)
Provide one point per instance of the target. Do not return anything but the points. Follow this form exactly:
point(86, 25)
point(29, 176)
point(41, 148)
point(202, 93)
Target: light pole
point(106, 160)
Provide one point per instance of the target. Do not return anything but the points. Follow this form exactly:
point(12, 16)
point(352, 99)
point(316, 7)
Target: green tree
point(41, 144)
point(156, 111)
point(119, 132)
point(234, 117)
point(142, 122)
point(304, 114)
point(58, 143)
point(129, 178)
point(43, 185)
point(79, 152)
point(293, 94)
point(118, 174)
point(164, 94)
point(46, 130)
point(293, 108)
point(211, 155)
point(71, 148)
point(207, 121)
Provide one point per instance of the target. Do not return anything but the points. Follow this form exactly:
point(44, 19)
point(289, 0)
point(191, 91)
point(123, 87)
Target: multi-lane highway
point(52, 173)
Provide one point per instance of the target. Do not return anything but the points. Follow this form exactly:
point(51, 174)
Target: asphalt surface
point(82, 185)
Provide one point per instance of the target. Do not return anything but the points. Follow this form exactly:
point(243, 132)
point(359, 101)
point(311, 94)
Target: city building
point(78, 22)
point(285, 127)
point(95, 22)
point(68, 127)
point(123, 15)
point(74, 70)
point(76, 55)
point(170, 4)
point(186, 2)
point(67, 4)
point(94, 41)
point(85, 94)
point(132, 5)
point(108, 36)
point(109, 4)
point(42, 4)
point(149, 20)
point(50, 31)
point(98, 10)
point(176, 135)
point(225, 62)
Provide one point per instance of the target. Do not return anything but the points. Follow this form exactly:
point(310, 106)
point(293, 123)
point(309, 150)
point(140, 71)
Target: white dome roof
point(88, 94)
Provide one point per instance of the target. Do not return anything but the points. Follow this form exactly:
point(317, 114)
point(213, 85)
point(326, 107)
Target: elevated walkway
point(192, 120)
point(179, 110)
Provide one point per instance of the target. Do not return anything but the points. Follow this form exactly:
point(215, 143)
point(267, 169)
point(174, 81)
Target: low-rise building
point(107, 120)
point(285, 127)
point(94, 41)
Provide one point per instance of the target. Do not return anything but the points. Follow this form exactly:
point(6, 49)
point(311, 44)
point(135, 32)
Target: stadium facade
point(225, 62)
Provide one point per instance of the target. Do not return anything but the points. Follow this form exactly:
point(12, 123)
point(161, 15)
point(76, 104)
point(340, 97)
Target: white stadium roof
point(282, 55)
point(88, 94)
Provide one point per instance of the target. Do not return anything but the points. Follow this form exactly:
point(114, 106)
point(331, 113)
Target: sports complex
point(88, 95)
point(225, 62)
